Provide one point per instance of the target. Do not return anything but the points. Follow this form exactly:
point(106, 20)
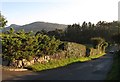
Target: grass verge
point(52, 64)
point(83, 59)
point(59, 63)
point(114, 73)
point(97, 56)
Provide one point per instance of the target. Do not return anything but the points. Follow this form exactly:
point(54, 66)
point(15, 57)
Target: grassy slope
point(114, 73)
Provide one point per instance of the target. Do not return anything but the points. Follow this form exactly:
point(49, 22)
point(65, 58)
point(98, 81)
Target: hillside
point(37, 26)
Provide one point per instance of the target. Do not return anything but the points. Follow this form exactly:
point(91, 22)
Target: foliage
point(84, 32)
point(58, 33)
point(17, 45)
point(99, 43)
point(21, 45)
point(48, 45)
point(116, 38)
point(41, 32)
point(3, 21)
point(114, 73)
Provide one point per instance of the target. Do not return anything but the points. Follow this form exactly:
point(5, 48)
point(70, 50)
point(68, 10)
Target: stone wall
point(94, 51)
point(24, 63)
point(75, 49)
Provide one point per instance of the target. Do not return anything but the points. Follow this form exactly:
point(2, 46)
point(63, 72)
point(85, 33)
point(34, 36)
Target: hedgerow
point(22, 45)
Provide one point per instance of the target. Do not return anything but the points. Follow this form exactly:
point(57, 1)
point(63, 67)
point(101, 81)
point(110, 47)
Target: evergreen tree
point(3, 21)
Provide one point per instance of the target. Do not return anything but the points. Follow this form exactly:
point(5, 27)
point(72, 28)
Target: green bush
point(47, 45)
point(19, 45)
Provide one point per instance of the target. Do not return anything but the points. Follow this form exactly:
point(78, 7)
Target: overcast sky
point(59, 11)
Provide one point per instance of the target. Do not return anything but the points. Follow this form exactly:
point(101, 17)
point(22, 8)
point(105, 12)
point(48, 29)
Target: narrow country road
point(92, 70)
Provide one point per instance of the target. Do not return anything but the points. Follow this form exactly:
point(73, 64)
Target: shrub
point(19, 45)
point(48, 45)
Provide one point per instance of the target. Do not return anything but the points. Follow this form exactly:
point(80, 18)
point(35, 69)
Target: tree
point(116, 38)
point(84, 25)
point(89, 24)
point(3, 21)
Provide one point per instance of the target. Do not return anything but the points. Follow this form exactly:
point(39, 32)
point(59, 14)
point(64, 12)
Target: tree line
point(83, 33)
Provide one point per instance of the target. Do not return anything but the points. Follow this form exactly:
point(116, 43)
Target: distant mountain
point(14, 25)
point(37, 26)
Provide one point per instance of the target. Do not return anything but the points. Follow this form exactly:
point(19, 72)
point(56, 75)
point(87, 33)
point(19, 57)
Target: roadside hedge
point(22, 45)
